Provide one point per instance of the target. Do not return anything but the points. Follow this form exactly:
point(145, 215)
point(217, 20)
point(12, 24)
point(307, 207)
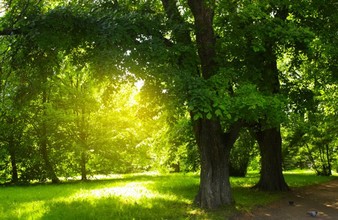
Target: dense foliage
point(99, 87)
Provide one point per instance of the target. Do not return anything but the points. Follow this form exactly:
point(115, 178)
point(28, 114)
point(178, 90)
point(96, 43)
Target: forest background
point(101, 87)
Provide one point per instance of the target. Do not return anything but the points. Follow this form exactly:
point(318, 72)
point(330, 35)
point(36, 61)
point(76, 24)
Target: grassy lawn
point(145, 196)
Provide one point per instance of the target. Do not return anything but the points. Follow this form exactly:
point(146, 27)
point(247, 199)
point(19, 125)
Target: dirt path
point(322, 198)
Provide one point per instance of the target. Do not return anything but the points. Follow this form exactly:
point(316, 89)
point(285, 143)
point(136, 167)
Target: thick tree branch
point(205, 35)
point(182, 35)
point(232, 134)
point(10, 31)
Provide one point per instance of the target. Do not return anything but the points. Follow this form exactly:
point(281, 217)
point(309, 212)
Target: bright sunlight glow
point(133, 98)
point(134, 190)
point(2, 8)
point(129, 193)
point(139, 84)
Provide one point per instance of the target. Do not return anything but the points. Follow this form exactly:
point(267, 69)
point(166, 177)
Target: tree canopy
point(119, 86)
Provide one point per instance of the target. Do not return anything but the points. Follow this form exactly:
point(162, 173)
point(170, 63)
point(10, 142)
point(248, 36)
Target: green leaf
point(197, 116)
point(218, 112)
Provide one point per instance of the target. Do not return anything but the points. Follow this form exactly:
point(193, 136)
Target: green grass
point(146, 196)
point(300, 178)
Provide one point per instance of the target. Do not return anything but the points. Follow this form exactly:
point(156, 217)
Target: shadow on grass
point(117, 208)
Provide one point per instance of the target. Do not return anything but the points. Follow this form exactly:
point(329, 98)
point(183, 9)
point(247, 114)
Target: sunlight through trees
point(102, 87)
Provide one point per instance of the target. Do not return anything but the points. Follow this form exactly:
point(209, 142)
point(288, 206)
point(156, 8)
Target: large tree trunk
point(215, 189)
point(270, 145)
point(214, 147)
point(268, 136)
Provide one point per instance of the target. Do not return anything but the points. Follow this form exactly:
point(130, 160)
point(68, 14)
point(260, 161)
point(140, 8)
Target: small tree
point(241, 154)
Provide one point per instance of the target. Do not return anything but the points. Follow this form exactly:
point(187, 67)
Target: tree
point(216, 59)
point(241, 154)
point(310, 76)
point(310, 131)
point(199, 68)
point(11, 129)
point(78, 96)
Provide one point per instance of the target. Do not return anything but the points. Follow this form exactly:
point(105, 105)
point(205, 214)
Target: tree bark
point(12, 153)
point(12, 149)
point(83, 126)
point(214, 145)
point(48, 165)
point(44, 146)
point(214, 188)
point(205, 36)
point(269, 137)
point(44, 152)
point(328, 158)
point(83, 166)
point(270, 145)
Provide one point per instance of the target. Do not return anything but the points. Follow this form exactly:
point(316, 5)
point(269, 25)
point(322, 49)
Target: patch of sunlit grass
point(133, 190)
point(130, 197)
point(33, 210)
point(250, 180)
point(300, 178)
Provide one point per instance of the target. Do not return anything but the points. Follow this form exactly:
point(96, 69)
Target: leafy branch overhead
point(92, 87)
